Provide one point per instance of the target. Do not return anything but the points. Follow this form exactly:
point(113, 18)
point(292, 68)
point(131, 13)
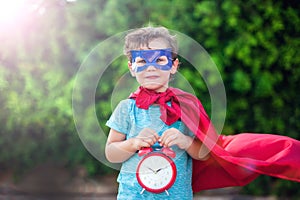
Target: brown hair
point(142, 37)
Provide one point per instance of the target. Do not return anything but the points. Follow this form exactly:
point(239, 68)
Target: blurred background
point(255, 45)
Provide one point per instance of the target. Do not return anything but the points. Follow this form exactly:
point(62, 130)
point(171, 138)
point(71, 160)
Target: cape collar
point(145, 98)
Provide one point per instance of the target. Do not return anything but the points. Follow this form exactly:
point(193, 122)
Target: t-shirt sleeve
point(119, 120)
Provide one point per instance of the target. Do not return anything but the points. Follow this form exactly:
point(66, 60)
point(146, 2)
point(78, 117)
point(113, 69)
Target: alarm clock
point(156, 172)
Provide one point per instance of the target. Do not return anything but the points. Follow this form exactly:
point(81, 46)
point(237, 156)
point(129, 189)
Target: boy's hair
point(142, 36)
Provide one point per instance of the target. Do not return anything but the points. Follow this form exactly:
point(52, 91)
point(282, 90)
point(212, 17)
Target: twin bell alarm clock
point(156, 172)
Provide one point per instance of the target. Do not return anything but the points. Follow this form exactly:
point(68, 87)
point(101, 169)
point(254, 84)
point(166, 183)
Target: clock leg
point(167, 192)
point(142, 191)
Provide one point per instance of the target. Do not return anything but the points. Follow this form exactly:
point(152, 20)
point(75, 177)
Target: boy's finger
point(165, 135)
point(145, 143)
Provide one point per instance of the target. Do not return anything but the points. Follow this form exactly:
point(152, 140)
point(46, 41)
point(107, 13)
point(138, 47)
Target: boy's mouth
point(152, 77)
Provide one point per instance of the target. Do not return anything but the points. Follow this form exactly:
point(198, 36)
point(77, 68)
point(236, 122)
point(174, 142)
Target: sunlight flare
point(9, 10)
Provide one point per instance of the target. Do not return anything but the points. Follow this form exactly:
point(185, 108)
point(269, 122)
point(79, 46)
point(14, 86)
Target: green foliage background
point(255, 45)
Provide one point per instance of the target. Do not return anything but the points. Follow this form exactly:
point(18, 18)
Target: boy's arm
point(118, 149)
point(197, 150)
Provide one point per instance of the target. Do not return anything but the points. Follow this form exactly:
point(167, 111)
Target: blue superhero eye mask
point(158, 58)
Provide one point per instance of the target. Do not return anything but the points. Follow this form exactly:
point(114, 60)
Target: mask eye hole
point(140, 61)
point(162, 60)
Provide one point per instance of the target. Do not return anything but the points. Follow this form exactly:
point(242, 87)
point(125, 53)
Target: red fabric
point(235, 160)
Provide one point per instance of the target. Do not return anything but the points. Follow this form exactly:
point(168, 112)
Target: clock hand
point(152, 170)
point(155, 171)
point(161, 169)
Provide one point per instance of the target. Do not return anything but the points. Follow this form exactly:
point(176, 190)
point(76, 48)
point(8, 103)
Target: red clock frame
point(171, 182)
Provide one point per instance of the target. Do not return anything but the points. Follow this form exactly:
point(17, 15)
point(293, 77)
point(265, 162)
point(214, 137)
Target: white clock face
point(156, 172)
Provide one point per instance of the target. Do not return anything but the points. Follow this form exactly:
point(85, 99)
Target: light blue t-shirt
point(128, 119)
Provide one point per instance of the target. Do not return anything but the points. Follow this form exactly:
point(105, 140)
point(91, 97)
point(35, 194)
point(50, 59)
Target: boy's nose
point(151, 68)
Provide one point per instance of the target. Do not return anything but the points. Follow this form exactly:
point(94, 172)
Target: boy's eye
point(140, 61)
point(162, 60)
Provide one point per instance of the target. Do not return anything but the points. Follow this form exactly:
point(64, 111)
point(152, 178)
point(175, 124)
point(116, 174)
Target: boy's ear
point(132, 72)
point(175, 66)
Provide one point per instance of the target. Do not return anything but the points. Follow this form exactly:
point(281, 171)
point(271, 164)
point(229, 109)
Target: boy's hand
point(173, 136)
point(146, 138)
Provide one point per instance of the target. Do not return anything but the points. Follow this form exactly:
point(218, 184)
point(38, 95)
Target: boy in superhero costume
point(217, 160)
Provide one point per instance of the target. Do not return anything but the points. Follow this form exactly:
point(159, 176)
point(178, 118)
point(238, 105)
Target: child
point(159, 116)
point(133, 128)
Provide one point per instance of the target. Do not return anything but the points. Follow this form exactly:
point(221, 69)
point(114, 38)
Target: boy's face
point(154, 77)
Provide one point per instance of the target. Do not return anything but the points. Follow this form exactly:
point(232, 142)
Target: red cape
point(235, 160)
